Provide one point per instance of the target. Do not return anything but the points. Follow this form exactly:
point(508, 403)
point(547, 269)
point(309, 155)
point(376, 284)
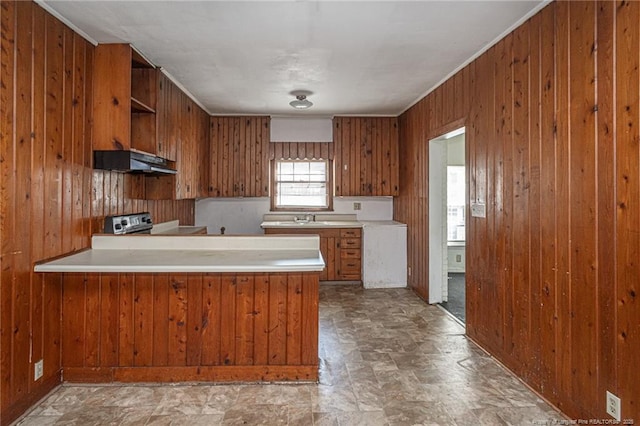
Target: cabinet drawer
point(350, 253)
point(350, 233)
point(350, 266)
point(351, 277)
point(348, 243)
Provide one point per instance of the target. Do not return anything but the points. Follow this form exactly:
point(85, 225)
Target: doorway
point(447, 222)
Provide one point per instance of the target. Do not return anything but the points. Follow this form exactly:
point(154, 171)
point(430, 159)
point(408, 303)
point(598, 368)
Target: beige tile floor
point(387, 358)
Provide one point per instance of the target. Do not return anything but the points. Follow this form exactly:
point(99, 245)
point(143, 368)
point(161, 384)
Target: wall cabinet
point(138, 108)
point(341, 250)
point(239, 157)
point(364, 150)
point(366, 156)
point(187, 133)
point(166, 119)
point(124, 101)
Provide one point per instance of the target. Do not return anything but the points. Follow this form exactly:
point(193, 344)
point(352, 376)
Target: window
point(301, 185)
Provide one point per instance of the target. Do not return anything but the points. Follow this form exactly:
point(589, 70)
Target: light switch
point(478, 210)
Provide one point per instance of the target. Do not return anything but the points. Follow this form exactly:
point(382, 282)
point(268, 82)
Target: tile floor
point(456, 296)
point(387, 358)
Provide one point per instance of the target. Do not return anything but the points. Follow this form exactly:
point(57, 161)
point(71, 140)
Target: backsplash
point(371, 208)
point(244, 215)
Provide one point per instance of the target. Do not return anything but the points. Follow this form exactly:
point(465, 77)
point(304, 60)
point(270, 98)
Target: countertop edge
point(175, 269)
point(310, 225)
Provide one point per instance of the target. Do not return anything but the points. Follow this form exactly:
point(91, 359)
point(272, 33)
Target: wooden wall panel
point(174, 321)
point(606, 196)
point(51, 200)
point(627, 184)
point(552, 118)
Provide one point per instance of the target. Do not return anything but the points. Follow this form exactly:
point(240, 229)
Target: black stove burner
point(136, 223)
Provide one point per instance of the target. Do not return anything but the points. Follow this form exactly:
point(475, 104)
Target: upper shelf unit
point(144, 85)
point(125, 99)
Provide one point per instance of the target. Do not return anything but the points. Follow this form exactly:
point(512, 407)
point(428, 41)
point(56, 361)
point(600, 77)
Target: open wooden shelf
point(139, 106)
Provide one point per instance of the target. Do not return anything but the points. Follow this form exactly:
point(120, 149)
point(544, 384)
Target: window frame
point(273, 184)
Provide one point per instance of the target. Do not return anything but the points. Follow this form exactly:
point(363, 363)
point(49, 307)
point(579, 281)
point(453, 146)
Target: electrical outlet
point(357, 206)
point(409, 270)
point(38, 370)
point(613, 406)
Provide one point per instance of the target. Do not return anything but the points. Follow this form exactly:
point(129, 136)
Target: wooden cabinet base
point(217, 374)
point(190, 327)
point(341, 251)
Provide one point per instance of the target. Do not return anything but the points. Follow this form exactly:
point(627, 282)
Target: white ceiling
point(357, 57)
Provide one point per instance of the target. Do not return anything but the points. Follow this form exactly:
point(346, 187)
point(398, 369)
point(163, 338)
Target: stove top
point(135, 223)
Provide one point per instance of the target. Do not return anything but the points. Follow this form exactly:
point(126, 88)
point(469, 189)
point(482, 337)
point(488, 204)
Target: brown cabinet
point(124, 100)
point(187, 133)
point(218, 327)
point(350, 254)
point(166, 117)
point(340, 248)
point(239, 157)
point(366, 156)
point(136, 107)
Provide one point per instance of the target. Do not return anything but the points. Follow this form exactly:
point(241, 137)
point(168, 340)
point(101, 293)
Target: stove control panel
point(128, 224)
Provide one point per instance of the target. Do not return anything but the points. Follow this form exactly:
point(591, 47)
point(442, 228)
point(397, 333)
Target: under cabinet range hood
point(131, 162)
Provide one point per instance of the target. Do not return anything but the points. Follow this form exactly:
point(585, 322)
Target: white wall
point(455, 151)
point(244, 215)
point(237, 215)
point(372, 208)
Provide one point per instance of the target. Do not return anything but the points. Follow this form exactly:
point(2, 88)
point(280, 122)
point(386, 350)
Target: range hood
point(131, 162)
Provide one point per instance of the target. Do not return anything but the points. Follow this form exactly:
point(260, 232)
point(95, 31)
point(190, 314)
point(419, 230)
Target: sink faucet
point(305, 218)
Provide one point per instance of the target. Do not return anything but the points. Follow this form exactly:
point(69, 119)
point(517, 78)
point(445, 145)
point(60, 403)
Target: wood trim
point(215, 374)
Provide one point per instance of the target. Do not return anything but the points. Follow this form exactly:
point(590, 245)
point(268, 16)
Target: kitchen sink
point(311, 224)
point(318, 220)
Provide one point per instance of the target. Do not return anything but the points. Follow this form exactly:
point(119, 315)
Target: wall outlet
point(38, 370)
point(613, 406)
point(357, 206)
point(409, 271)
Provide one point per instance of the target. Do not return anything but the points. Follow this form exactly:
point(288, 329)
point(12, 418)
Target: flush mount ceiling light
point(301, 102)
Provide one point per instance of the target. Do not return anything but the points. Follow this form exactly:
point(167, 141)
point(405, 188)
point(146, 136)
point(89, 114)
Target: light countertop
point(311, 224)
point(319, 221)
point(372, 223)
point(173, 227)
point(196, 253)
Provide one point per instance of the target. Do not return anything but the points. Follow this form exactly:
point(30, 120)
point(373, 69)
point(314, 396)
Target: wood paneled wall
point(552, 118)
point(51, 200)
point(185, 327)
point(366, 155)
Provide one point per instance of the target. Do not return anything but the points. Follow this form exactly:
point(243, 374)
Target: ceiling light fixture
point(301, 102)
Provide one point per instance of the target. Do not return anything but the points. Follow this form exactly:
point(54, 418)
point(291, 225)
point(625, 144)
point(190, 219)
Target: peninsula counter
point(190, 308)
